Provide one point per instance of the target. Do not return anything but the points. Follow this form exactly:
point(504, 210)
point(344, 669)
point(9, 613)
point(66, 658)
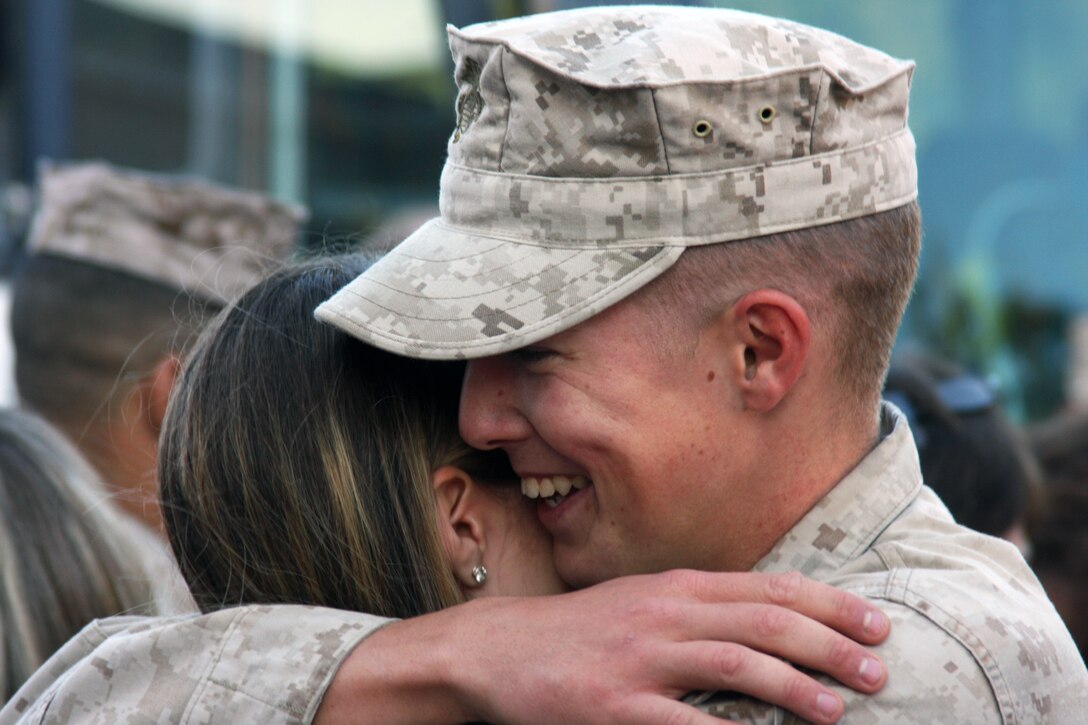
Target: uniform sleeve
point(261, 664)
point(28, 699)
point(932, 678)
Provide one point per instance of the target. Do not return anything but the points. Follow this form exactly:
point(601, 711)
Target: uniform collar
point(844, 523)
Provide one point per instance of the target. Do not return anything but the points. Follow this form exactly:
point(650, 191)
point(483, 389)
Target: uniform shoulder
point(966, 592)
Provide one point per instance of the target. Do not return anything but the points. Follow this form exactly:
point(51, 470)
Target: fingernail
point(870, 671)
point(827, 704)
point(874, 621)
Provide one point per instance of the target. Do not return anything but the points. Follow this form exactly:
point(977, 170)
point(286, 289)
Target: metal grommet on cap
point(702, 128)
point(767, 114)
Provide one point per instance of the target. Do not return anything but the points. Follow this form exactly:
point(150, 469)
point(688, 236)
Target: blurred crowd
point(121, 272)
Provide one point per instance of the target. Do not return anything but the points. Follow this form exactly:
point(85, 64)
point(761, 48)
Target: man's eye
point(530, 355)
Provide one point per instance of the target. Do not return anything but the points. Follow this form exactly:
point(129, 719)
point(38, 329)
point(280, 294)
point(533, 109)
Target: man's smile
point(553, 489)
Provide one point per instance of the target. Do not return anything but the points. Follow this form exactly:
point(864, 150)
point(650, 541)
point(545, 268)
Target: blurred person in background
point(122, 269)
point(971, 455)
point(66, 555)
point(1060, 533)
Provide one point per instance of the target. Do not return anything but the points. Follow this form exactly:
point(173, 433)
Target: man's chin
point(580, 569)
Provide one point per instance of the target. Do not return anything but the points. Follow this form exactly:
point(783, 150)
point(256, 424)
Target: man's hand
point(621, 651)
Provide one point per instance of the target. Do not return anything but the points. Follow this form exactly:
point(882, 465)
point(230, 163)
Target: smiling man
point(675, 246)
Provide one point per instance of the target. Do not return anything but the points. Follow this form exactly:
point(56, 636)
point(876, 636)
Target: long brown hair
point(295, 462)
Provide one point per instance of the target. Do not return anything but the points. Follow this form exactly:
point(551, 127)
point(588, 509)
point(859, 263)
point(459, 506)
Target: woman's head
point(300, 465)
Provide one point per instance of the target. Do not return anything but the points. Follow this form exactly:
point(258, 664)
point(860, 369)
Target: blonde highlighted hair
point(66, 555)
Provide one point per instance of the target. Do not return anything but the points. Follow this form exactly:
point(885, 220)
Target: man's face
point(648, 426)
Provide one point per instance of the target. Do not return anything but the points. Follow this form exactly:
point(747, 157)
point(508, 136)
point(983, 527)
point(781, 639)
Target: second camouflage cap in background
point(182, 232)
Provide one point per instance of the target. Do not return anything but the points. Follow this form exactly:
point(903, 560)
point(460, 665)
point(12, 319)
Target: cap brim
point(444, 294)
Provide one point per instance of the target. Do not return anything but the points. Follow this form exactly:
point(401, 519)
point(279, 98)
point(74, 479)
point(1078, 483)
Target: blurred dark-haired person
point(66, 555)
point(122, 269)
point(1060, 533)
point(971, 454)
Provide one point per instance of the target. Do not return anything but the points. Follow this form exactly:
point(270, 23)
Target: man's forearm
point(622, 651)
point(407, 672)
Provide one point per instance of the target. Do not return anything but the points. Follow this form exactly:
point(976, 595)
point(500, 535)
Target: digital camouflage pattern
point(186, 233)
point(974, 638)
point(254, 664)
point(593, 146)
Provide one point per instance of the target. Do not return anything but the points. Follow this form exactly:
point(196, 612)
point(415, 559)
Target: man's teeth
point(551, 486)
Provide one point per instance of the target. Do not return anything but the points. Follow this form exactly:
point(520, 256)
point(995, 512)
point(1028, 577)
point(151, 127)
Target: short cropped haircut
point(852, 277)
point(83, 333)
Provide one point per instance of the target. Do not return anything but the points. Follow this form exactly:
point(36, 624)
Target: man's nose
point(489, 413)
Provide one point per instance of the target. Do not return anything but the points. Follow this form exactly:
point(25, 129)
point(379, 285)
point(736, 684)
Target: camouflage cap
point(593, 146)
point(209, 240)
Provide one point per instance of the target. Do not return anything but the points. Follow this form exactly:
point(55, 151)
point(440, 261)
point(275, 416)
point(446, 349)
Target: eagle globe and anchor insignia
point(469, 101)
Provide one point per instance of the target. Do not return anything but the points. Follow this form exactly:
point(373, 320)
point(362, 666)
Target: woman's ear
point(462, 513)
point(774, 333)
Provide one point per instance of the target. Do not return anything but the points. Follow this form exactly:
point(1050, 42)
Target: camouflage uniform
point(255, 664)
point(974, 638)
point(210, 241)
point(592, 148)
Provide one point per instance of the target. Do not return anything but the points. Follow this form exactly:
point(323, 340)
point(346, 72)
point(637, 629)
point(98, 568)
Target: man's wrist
point(409, 671)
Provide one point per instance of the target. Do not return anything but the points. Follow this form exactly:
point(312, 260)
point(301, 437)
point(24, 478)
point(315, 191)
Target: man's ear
point(158, 387)
point(774, 335)
point(461, 524)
